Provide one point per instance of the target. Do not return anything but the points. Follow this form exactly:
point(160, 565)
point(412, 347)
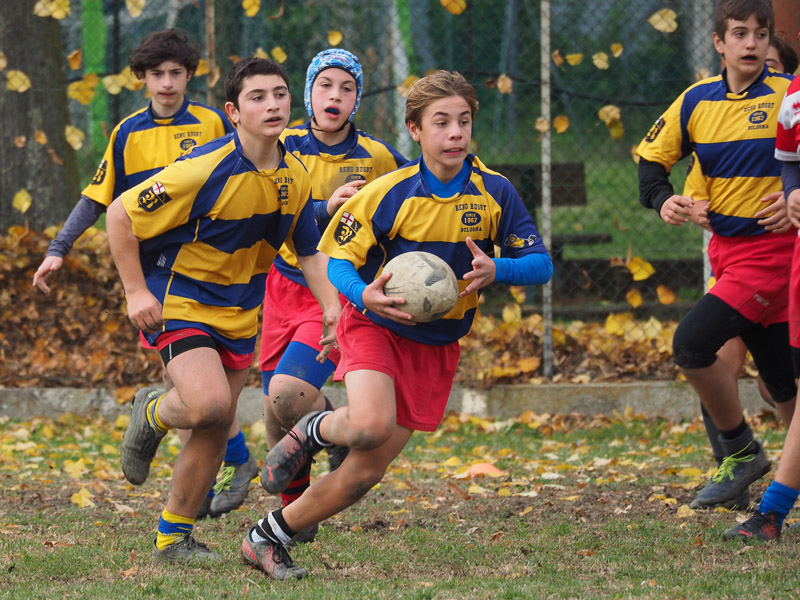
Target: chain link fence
point(613, 66)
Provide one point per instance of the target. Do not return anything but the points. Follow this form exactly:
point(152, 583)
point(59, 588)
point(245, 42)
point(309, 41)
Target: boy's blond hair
point(433, 87)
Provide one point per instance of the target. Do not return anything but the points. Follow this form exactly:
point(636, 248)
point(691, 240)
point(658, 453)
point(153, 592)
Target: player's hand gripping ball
point(427, 283)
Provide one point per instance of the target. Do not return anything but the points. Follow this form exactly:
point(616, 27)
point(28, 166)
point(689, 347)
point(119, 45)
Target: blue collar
point(449, 189)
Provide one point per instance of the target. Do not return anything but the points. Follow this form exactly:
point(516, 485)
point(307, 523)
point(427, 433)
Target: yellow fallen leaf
point(122, 421)
point(664, 20)
point(571, 498)
point(405, 87)
point(618, 323)
point(525, 512)
point(557, 58)
point(616, 50)
point(634, 298)
point(74, 58)
point(251, 7)
point(600, 60)
point(278, 55)
point(455, 7)
point(640, 268)
point(22, 201)
point(83, 90)
point(684, 512)
point(260, 53)
point(135, 7)
point(476, 489)
point(560, 123)
point(665, 295)
point(652, 328)
point(582, 379)
point(18, 81)
point(75, 468)
point(574, 59)
point(453, 461)
point(504, 84)
point(74, 137)
point(82, 498)
point(58, 9)
point(691, 472)
point(529, 364)
point(334, 37)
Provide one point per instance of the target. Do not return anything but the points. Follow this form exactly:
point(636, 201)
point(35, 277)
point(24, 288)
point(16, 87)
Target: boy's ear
point(189, 75)
point(719, 44)
point(413, 130)
point(232, 112)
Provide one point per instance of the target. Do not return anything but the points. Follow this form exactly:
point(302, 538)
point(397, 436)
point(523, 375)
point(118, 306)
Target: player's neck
point(739, 82)
point(330, 138)
point(165, 112)
point(263, 152)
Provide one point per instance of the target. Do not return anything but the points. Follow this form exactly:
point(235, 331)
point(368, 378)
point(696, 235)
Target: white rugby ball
point(425, 281)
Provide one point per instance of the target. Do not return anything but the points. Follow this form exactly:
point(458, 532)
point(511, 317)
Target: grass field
point(582, 508)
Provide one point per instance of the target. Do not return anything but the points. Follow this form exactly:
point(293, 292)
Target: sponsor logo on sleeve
point(655, 129)
point(346, 229)
point(513, 241)
point(100, 175)
point(153, 197)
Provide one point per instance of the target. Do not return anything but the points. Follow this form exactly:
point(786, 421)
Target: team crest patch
point(355, 177)
point(153, 197)
point(346, 229)
point(655, 129)
point(100, 175)
point(512, 241)
point(283, 194)
point(188, 143)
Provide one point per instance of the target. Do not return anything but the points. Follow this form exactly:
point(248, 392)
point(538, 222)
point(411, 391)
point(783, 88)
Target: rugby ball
point(425, 281)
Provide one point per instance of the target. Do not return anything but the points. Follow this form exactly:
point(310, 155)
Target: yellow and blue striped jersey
point(365, 158)
point(733, 136)
point(141, 145)
point(210, 225)
point(397, 213)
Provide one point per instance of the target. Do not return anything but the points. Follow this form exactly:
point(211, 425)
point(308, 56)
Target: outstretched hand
point(50, 263)
point(375, 300)
point(483, 270)
point(342, 194)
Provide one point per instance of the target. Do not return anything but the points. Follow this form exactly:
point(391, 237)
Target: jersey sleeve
point(101, 188)
point(668, 140)
point(350, 234)
point(787, 141)
point(516, 233)
point(695, 185)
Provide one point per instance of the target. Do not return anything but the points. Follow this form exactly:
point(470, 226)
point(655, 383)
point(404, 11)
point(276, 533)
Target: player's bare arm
point(774, 217)
point(483, 270)
point(315, 270)
point(342, 194)
point(375, 300)
point(677, 209)
point(50, 263)
point(144, 310)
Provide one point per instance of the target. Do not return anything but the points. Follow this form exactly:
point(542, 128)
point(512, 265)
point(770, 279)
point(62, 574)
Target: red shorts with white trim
point(794, 298)
point(291, 314)
point(753, 274)
point(422, 374)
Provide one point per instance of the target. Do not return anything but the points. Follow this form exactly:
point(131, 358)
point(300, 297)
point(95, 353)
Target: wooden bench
point(568, 189)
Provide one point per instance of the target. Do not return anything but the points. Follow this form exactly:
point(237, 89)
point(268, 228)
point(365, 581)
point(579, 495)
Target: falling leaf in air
point(260, 53)
point(251, 7)
point(664, 20)
point(58, 9)
point(128, 79)
point(405, 87)
point(278, 55)
point(634, 298)
point(18, 81)
point(22, 201)
point(665, 295)
point(74, 137)
point(512, 314)
point(334, 37)
point(560, 123)
point(557, 58)
point(135, 7)
point(3, 61)
point(455, 7)
point(574, 59)
point(702, 74)
point(640, 268)
point(111, 84)
point(600, 60)
point(609, 113)
point(82, 498)
point(54, 156)
point(20, 141)
point(202, 68)
point(542, 125)
point(40, 137)
point(616, 50)
point(83, 90)
point(278, 14)
point(616, 129)
point(504, 84)
point(74, 59)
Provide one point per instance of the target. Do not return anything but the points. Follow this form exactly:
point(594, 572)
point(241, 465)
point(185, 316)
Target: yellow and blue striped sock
point(152, 415)
point(171, 528)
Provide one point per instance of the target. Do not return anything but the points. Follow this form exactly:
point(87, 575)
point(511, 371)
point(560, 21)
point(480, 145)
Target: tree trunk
point(47, 171)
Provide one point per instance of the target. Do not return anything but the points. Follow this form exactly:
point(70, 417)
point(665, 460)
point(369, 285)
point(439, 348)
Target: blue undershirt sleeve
point(790, 177)
point(321, 214)
point(83, 216)
point(530, 269)
point(344, 277)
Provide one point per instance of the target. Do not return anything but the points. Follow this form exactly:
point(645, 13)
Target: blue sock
point(780, 498)
point(236, 453)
